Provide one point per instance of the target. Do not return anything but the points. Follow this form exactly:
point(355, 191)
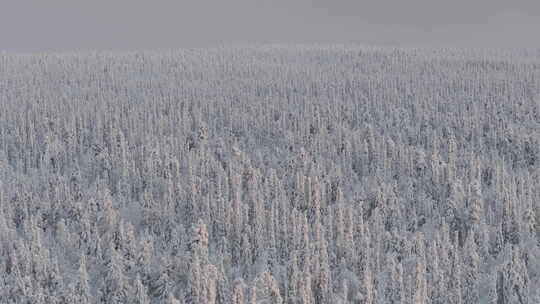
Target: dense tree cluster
point(270, 175)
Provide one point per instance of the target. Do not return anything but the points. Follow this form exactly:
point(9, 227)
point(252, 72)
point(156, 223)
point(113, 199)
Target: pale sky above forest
point(59, 25)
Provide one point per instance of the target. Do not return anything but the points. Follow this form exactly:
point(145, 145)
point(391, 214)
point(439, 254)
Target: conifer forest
point(272, 175)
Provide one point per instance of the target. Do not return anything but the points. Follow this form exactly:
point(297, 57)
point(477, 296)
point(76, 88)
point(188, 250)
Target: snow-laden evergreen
point(272, 174)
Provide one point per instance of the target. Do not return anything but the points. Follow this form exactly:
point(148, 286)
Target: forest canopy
point(275, 174)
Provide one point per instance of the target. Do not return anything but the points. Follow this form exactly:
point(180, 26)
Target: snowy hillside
point(275, 174)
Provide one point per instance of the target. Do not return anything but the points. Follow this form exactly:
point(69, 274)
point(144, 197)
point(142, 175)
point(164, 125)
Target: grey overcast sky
point(66, 25)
